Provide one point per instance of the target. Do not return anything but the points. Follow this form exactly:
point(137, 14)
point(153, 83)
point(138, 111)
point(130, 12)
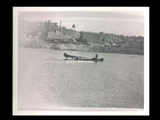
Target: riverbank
point(84, 48)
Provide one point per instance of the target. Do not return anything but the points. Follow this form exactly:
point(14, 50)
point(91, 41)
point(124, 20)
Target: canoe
point(71, 57)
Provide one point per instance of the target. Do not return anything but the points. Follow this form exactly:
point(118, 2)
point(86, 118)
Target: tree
point(101, 33)
point(103, 40)
point(73, 26)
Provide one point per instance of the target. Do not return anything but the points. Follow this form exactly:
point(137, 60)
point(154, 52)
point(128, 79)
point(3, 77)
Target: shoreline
point(82, 48)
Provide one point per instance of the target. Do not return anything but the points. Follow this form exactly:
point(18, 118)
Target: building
point(76, 35)
point(57, 36)
point(107, 45)
point(113, 44)
point(93, 37)
point(51, 35)
point(50, 25)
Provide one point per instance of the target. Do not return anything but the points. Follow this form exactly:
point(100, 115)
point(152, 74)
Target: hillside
point(100, 42)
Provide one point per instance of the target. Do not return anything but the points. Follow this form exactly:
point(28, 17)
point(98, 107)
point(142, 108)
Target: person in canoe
point(96, 57)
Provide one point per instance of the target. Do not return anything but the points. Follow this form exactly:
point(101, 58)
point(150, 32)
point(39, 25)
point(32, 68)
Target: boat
point(71, 57)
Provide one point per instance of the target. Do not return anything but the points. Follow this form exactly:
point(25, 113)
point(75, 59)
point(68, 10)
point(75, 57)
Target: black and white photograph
point(83, 59)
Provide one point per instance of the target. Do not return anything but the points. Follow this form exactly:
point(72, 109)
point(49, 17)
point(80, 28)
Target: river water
point(46, 80)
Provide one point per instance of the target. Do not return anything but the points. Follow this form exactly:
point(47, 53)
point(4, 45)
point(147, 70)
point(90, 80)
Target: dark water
point(46, 80)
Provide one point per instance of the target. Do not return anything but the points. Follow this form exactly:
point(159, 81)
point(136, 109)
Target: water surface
point(45, 79)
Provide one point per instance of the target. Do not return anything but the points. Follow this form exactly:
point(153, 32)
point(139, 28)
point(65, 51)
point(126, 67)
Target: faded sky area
point(117, 22)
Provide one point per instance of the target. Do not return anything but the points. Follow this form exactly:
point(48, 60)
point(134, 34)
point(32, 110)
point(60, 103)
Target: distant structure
point(50, 25)
point(93, 38)
point(81, 39)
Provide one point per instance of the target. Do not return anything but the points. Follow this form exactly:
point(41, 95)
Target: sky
point(128, 23)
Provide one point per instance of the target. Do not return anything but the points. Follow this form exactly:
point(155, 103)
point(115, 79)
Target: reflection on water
point(46, 80)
